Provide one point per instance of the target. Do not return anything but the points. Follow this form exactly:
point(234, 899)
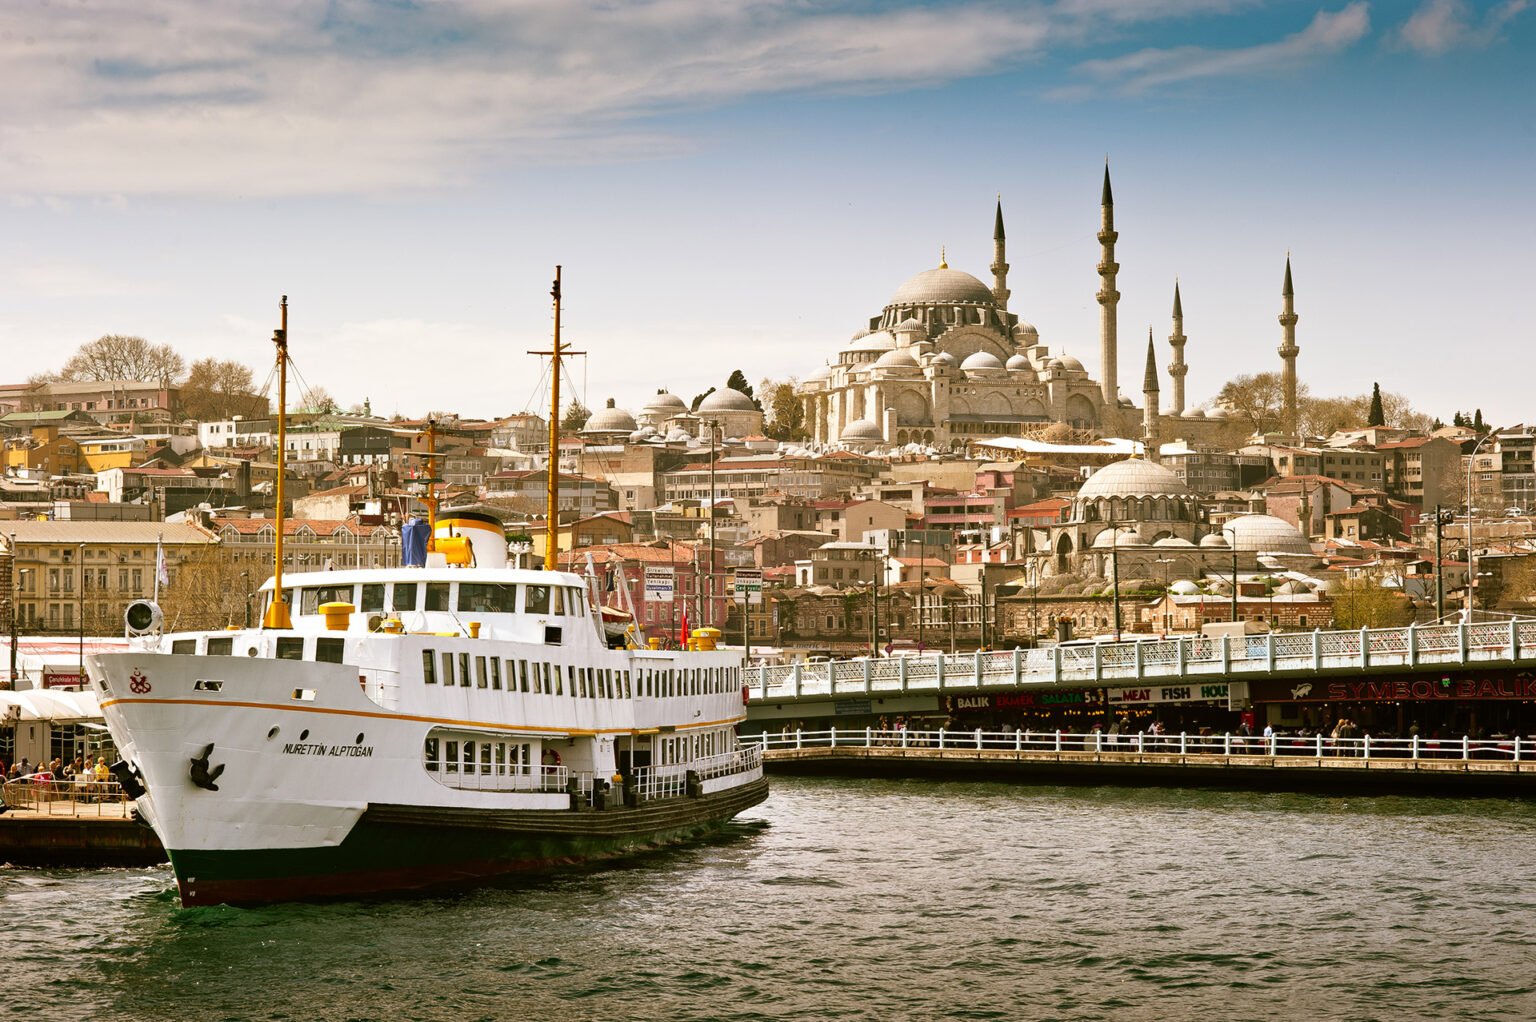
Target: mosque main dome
point(943, 286)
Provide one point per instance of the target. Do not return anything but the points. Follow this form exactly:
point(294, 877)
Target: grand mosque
point(946, 361)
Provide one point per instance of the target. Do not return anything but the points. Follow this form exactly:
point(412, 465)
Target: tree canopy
point(786, 415)
point(123, 357)
point(217, 389)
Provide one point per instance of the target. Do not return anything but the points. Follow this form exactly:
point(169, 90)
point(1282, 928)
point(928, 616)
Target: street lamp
point(1167, 597)
point(1472, 554)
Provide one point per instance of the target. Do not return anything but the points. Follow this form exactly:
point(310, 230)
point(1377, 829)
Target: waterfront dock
point(44, 826)
point(1317, 763)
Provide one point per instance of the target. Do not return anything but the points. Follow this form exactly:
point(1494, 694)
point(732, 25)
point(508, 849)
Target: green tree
point(575, 417)
point(786, 415)
point(693, 406)
point(738, 381)
point(1365, 602)
point(1376, 416)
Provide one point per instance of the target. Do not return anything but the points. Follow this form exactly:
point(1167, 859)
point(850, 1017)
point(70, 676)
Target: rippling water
point(858, 899)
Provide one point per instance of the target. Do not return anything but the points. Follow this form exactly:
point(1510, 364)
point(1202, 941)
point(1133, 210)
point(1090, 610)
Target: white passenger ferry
point(408, 727)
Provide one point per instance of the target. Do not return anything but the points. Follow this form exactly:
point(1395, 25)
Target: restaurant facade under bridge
point(1480, 702)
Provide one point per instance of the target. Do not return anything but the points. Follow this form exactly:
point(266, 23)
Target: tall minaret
point(1288, 350)
point(1150, 420)
point(999, 260)
point(1108, 299)
point(1177, 370)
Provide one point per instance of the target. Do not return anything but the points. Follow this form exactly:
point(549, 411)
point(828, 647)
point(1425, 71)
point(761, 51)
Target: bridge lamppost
point(1471, 553)
point(1167, 596)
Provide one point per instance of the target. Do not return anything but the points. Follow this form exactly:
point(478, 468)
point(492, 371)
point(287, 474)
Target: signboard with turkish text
point(749, 585)
point(1447, 687)
point(659, 583)
point(1024, 700)
point(1147, 695)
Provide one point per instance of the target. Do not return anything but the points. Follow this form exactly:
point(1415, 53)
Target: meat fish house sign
point(1148, 695)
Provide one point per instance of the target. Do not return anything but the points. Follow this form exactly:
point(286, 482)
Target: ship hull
point(401, 848)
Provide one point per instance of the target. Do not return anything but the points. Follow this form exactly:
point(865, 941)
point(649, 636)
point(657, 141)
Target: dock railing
point(1185, 656)
point(1499, 748)
point(66, 796)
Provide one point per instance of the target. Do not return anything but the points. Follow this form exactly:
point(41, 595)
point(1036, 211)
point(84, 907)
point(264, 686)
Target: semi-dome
point(1174, 541)
point(1026, 329)
point(900, 358)
point(1265, 534)
point(862, 431)
point(1069, 363)
point(824, 373)
point(727, 399)
point(909, 325)
point(981, 360)
point(1018, 362)
point(1184, 587)
point(943, 358)
point(610, 420)
point(678, 435)
point(1135, 477)
point(1118, 536)
point(1195, 413)
point(942, 286)
point(878, 340)
point(1215, 541)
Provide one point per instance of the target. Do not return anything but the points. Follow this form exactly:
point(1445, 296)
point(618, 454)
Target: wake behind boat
point(401, 728)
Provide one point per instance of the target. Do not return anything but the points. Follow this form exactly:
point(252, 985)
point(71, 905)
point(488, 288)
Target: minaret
point(999, 267)
point(1177, 370)
point(1150, 420)
point(1288, 350)
point(1108, 299)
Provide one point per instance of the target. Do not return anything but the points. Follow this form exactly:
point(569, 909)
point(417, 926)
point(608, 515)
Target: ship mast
point(277, 611)
point(552, 501)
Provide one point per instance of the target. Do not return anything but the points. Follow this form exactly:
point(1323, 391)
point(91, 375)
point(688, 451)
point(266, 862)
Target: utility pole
point(1439, 574)
point(713, 457)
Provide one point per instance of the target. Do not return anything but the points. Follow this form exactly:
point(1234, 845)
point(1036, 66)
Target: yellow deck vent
point(337, 615)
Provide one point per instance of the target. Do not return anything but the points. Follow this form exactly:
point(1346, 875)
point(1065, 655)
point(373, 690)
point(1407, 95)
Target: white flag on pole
point(162, 574)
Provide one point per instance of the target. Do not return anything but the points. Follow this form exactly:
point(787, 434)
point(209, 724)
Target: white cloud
point(1328, 33)
point(275, 97)
point(1442, 25)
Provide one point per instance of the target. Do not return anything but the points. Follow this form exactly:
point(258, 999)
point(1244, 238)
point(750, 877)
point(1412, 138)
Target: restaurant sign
point(1023, 700)
point(1148, 695)
point(1420, 688)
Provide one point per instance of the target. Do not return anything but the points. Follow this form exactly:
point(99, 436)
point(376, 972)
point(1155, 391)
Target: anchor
point(202, 776)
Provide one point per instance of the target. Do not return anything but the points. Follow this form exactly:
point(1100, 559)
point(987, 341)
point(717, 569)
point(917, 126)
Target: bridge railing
point(1506, 749)
point(1183, 656)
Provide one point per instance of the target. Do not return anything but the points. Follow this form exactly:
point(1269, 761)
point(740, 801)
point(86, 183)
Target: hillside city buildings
point(958, 482)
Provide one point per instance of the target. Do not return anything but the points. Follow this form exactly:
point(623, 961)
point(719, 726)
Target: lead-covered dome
point(1265, 534)
point(1134, 477)
point(900, 358)
point(981, 360)
point(727, 399)
point(941, 287)
point(862, 431)
point(610, 420)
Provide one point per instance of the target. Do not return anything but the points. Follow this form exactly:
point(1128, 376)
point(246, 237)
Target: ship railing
point(63, 796)
point(381, 685)
point(1494, 748)
point(671, 780)
point(548, 778)
point(1414, 647)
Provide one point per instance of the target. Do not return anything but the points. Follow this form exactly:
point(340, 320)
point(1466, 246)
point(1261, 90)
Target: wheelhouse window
point(312, 598)
point(486, 598)
point(329, 650)
point(184, 646)
point(537, 600)
point(223, 646)
point(372, 599)
point(437, 596)
point(403, 597)
point(291, 648)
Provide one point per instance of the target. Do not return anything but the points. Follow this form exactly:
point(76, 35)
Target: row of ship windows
point(539, 678)
point(463, 597)
point(499, 758)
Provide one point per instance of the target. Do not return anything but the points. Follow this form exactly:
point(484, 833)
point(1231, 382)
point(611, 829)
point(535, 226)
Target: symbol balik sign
point(138, 684)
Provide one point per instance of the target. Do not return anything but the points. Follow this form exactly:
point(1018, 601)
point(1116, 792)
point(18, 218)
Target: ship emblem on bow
point(138, 683)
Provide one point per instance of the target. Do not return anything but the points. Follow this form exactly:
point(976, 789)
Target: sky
point(742, 184)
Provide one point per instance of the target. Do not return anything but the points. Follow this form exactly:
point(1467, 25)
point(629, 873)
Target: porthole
point(359, 739)
point(272, 734)
point(304, 734)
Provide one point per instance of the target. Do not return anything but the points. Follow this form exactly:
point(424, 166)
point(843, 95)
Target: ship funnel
point(485, 533)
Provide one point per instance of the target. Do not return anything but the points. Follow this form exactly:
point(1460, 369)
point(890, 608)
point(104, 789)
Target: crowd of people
point(79, 773)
